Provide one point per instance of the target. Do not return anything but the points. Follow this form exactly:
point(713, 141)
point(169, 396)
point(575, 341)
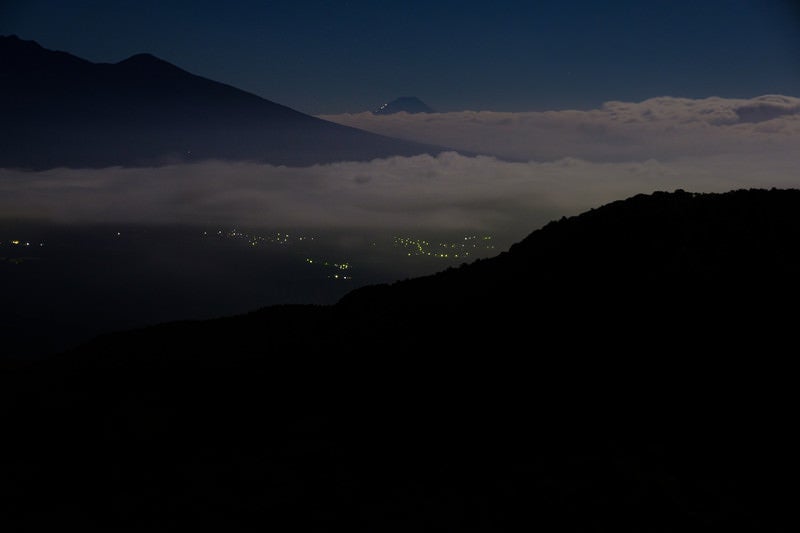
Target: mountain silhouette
point(626, 369)
point(409, 104)
point(61, 110)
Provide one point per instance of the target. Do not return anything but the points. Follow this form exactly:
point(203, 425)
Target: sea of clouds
point(533, 167)
point(659, 128)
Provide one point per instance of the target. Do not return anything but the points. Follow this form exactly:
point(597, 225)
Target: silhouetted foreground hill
point(622, 370)
point(61, 110)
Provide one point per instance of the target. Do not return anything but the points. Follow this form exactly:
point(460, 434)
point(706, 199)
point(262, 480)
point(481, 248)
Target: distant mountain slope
point(627, 369)
point(60, 110)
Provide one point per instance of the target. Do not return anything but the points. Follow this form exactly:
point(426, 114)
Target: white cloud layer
point(422, 194)
point(660, 128)
point(567, 162)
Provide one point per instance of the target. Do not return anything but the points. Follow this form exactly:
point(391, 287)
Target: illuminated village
point(470, 246)
point(310, 248)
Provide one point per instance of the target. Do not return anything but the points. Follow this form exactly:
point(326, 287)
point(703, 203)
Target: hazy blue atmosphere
point(544, 110)
point(351, 56)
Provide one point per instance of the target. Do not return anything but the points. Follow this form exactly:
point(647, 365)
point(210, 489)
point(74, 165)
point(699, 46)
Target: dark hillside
point(672, 265)
point(61, 110)
point(627, 369)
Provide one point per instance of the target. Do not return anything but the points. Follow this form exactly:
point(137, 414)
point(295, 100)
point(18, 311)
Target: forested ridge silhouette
point(625, 369)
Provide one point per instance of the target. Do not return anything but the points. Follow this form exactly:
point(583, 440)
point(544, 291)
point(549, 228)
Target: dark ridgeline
point(409, 104)
point(60, 110)
point(621, 370)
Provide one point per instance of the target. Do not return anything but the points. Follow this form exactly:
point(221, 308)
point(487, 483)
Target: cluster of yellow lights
point(412, 246)
point(444, 250)
point(340, 266)
point(337, 266)
point(17, 242)
point(254, 240)
point(281, 238)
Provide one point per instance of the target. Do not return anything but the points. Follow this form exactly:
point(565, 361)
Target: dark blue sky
point(338, 56)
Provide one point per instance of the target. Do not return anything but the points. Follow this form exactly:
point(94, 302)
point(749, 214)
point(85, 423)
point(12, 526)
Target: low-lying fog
point(86, 251)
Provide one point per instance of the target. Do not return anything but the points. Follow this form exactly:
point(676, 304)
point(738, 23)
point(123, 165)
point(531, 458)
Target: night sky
point(325, 57)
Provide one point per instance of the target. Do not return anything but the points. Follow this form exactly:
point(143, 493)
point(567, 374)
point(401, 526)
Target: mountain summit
point(61, 110)
point(409, 104)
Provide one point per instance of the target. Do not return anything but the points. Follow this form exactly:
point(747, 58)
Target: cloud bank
point(660, 128)
point(590, 158)
point(424, 194)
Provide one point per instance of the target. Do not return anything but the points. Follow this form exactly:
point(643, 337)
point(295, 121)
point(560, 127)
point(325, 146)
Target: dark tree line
point(627, 369)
